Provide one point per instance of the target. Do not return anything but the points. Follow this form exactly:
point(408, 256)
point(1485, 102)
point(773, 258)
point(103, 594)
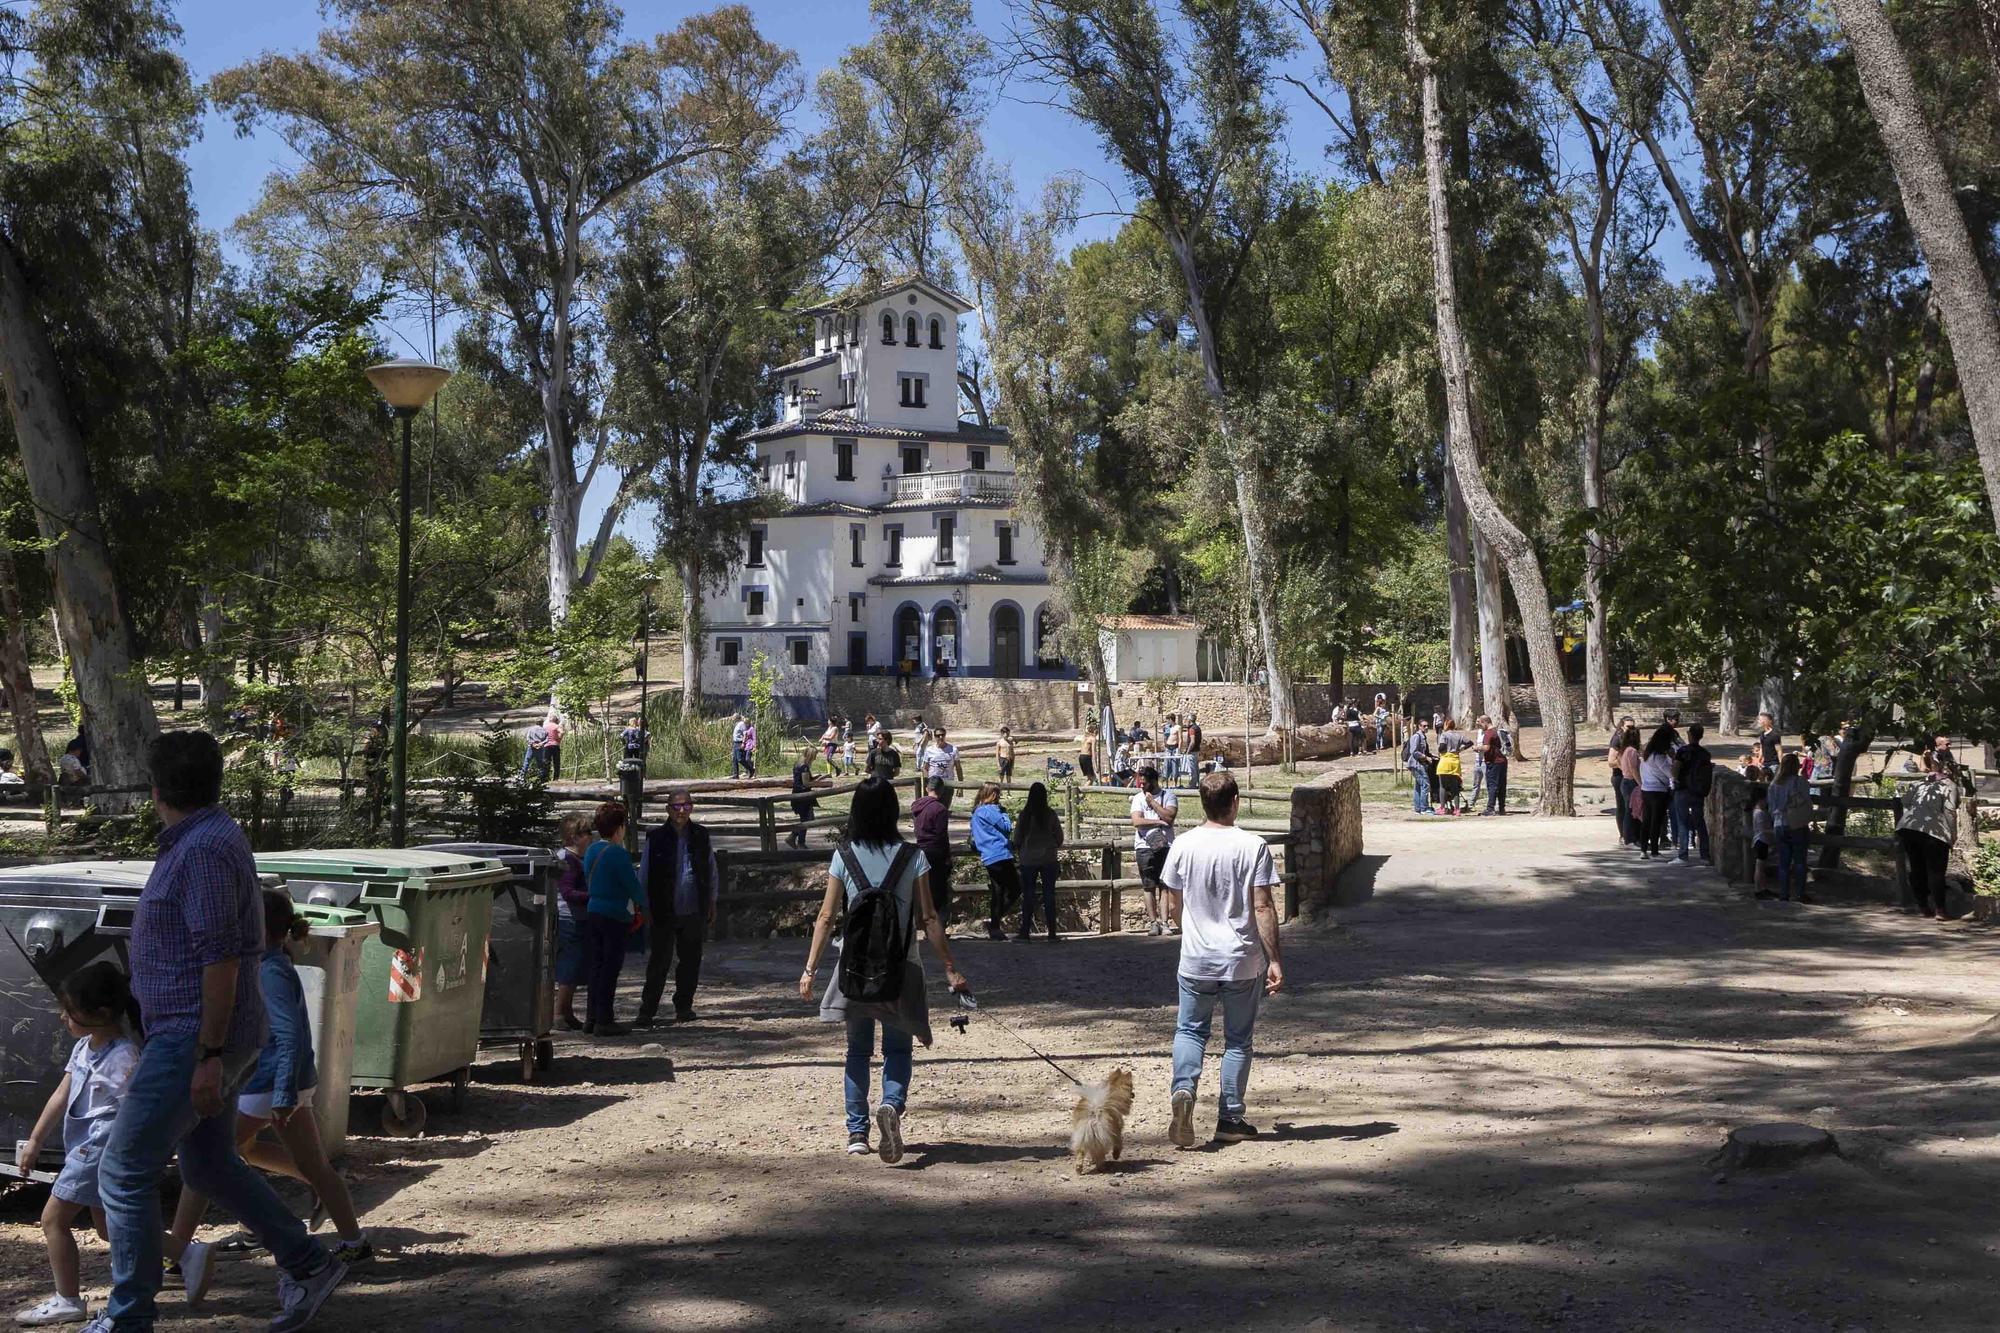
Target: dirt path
point(1490, 1101)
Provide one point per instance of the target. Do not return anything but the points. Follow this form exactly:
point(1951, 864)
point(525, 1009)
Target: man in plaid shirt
point(197, 934)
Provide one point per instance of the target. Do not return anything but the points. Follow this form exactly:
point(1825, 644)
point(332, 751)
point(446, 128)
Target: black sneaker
point(683, 1015)
point(857, 1143)
point(644, 1021)
point(1234, 1131)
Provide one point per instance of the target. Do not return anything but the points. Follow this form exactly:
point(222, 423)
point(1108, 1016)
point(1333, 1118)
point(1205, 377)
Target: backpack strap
point(857, 878)
point(898, 864)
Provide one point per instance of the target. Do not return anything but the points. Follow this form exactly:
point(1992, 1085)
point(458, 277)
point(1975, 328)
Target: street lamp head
point(408, 383)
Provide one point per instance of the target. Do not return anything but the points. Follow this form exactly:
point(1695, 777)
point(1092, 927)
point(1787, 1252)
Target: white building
point(898, 550)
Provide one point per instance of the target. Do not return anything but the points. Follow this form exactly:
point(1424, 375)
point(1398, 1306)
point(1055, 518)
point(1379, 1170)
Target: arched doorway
point(1007, 641)
point(909, 642)
point(947, 652)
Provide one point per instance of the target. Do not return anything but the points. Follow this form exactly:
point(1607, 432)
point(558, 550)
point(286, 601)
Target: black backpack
point(875, 937)
point(1697, 772)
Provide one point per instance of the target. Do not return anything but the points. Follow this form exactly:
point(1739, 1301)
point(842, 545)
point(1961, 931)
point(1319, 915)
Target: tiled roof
point(1152, 622)
point(953, 502)
point(987, 575)
point(826, 507)
point(855, 296)
point(843, 421)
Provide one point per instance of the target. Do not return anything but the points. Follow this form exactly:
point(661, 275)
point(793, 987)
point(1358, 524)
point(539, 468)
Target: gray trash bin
point(55, 920)
point(519, 1005)
point(329, 963)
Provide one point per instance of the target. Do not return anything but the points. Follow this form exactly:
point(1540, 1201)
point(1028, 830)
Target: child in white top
point(1761, 838)
point(847, 751)
point(94, 1001)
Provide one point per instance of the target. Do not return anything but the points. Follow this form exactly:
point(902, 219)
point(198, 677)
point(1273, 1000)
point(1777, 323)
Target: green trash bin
point(423, 978)
point(329, 964)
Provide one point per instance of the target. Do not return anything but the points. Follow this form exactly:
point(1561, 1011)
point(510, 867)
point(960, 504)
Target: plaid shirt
point(200, 906)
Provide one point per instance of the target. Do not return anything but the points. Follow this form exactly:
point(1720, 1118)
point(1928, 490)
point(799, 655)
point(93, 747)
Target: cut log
point(1785, 1143)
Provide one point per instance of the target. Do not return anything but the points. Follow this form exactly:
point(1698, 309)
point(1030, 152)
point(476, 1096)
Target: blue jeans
point(1792, 861)
point(1691, 823)
point(1496, 789)
point(897, 1046)
point(153, 1120)
point(1044, 875)
point(737, 763)
point(1239, 1020)
point(1420, 799)
point(603, 959)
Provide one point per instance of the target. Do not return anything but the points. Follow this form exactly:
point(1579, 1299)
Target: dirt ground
point(1490, 1095)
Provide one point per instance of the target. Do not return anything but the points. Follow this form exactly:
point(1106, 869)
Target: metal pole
point(399, 754)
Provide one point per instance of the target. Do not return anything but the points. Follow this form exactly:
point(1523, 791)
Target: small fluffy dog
point(1097, 1122)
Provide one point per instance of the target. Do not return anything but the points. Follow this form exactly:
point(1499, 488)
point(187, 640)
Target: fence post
point(1110, 902)
point(767, 827)
point(1070, 798)
point(1904, 897)
point(52, 809)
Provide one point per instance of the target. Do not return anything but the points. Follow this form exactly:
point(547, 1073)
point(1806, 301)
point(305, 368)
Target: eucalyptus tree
point(1180, 103)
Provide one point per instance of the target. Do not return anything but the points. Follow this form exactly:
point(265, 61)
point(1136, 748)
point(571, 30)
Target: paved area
point(1491, 1098)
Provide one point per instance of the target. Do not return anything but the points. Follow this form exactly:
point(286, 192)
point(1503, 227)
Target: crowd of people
point(196, 1052)
point(1440, 756)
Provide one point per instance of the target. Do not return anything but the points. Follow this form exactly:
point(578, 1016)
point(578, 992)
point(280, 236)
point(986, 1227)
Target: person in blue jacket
point(617, 906)
point(278, 1095)
point(993, 839)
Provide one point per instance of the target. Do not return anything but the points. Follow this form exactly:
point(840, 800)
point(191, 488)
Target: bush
point(1986, 868)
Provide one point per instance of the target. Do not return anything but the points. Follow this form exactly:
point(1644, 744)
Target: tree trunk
point(1494, 699)
point(1598, 700)
point(1925, 388)
point(1729, 704)
point(218, 668)
point(17, 675)
point(1843, 785)
point(1458, 554)
point(1250, 507)
point(1516, 553)
point(111, 683)
point(1963, 295)
point(691, 576)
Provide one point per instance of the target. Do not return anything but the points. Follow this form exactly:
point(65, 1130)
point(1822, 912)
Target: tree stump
point(1786, 1143)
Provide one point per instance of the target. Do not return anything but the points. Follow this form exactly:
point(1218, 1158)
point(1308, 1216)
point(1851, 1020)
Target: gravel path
point(1490, 1101)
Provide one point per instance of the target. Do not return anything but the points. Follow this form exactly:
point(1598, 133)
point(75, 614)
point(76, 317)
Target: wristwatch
point(211, 1053)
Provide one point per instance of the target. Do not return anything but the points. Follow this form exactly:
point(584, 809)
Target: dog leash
point(965, 1001)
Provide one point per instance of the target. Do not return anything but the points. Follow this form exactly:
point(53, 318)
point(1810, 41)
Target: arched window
point(888, 328)
point(840, 330)
point(825, 330)
point(937, 332)
point(910, 330)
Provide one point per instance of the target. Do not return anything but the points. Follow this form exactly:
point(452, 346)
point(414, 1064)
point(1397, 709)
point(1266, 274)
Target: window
point(731, 651)
point(756, 557)
point(856, 533)
point(910, 330)
point(764, 465)
point(888, 329)
point(913, 458)
point(978, 459)
point(912, 389)
point(754, 598)
point(792, 392)
point(801, 651)
point(937, 333)
point(791, 464)
point(1006, 534)
point(825, 330)
point(847, 390)
point(840, 330)
point(947, 528)
point(854, 608)
point(843, 459)
point(893, 535)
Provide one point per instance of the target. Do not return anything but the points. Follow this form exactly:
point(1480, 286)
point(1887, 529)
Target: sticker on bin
point(406, 976)
point(450, 976)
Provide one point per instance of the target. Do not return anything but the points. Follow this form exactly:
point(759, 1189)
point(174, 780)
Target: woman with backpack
point(1038, 840)
point(881, 885)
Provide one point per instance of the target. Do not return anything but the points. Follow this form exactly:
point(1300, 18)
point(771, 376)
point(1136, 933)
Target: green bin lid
point(410, 866)
point(320, 914)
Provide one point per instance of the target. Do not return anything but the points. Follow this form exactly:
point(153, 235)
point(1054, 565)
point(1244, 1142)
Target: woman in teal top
point(616, 901)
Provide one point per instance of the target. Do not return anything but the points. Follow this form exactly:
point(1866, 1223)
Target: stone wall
point(985, 702)
point(1326, 839)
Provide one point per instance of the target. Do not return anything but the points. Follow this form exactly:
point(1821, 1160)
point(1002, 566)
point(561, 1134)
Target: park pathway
point(1490, 1098)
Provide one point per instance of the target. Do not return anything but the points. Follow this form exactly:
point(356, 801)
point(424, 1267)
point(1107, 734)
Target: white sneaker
point(889, 1133)
point(197, 1270)
point(299, 1301)
point(57, 1309)
point(1181, 1132)
point(1682, 861)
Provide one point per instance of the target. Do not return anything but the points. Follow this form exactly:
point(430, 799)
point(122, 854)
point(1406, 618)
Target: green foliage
point(1986, 868)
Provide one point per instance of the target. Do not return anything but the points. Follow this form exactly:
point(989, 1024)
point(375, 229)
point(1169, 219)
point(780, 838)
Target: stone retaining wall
point(986, 702)
point(1326, 839)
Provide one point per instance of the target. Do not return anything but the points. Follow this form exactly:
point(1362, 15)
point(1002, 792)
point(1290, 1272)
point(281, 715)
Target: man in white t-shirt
point(941, 760)
point(1153, 815)
point(1229, 954)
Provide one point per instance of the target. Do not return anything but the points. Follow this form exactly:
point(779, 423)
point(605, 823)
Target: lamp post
point(408, 384)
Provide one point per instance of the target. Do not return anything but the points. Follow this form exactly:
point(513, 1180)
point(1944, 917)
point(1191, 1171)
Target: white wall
point(1134, 655)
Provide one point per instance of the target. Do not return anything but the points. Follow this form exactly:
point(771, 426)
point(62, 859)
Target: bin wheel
point(403, 1115)
point(527, 1062)
point(545, 1055)
point(459, 1080)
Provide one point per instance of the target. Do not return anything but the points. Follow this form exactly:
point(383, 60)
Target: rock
point(1784, 1143)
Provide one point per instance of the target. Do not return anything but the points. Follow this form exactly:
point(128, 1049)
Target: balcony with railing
point(961, 486)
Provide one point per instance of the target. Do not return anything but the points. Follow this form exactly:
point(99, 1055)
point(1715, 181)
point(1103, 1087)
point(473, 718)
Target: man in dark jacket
point(931, 815)
point(678, 870)
point(1694, 775)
